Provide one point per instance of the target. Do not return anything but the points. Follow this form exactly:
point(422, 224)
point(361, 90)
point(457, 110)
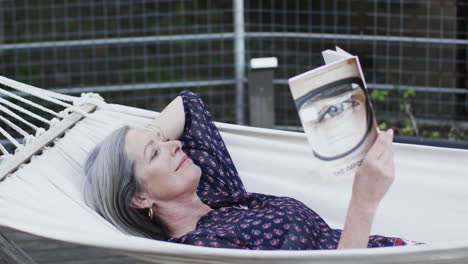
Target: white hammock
point(426, 203)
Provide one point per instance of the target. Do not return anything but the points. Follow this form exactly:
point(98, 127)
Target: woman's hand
point(171, 121)
point(371, 182)
point(376, 173)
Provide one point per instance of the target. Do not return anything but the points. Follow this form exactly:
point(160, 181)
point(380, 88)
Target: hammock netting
point(426, 203)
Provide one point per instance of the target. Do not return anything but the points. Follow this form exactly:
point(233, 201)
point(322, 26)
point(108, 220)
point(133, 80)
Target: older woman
point(176, 181)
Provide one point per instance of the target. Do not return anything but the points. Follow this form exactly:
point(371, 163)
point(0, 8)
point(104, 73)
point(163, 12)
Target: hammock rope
point(15, 127)
point(4, 151)
point(37, 92)
point(24, 111)
point(31, 103)
point(10, 138)
point(17, 117)
point(8, 108)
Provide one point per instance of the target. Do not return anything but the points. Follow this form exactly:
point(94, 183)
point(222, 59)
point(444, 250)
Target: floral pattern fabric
point(240, 219)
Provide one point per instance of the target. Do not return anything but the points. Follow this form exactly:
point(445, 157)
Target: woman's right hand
point(171, 121)
point(376, 173)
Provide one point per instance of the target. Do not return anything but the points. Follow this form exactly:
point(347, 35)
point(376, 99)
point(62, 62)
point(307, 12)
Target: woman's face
point(164, 171)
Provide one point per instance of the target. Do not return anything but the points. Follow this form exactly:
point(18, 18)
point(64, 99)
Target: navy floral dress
point(240, 219)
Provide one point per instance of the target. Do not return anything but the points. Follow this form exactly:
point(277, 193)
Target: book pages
point(336, 113)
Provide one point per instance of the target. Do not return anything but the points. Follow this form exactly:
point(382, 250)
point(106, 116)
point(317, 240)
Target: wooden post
point(12, 253)
point(261, 92)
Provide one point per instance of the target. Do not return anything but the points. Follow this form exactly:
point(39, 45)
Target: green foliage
point(409, 128)
point(379, 95)
point(404, 106)
point(457, 133)
point(434, 134)
point(431, 133)
point(383, 126)
point(407, 96)
point(406, 130)
point(410, 93)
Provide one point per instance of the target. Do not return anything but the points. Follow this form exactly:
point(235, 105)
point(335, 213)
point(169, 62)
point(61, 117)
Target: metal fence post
point(1, 27)
point(2, 36)
point(261, 92)
point(239, 53)
point(461, 50)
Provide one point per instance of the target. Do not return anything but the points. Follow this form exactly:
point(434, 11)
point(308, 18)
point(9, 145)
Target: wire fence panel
point(51, 20)
point(140, 53)
point(413, 51)
point(132, 52)
point(121, 64)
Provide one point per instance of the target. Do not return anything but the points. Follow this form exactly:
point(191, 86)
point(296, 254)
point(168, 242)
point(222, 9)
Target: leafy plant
point(379, 95)
point(407, 130)
point(456, 133)
point(406, 107)
point(434, 134)
point(383, 126)
point(406, 98)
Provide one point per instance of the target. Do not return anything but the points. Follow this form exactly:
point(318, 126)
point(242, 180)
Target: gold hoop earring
point(150, 213)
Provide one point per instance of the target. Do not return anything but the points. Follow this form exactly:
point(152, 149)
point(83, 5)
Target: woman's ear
point(140, 201)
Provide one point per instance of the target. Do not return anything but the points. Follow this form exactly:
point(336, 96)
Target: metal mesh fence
point(415, 51)
point(132, 52)
point(141, 53)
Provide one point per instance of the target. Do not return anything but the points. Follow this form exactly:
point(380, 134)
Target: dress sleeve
point(203, 144)
point(381, 241)
point(211, 239)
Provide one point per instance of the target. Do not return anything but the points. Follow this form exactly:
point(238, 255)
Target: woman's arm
point(170, 122)
point(371, 182)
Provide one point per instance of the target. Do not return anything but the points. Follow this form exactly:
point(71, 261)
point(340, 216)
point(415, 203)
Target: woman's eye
point(352, 102)
point(335, 110)
point(330, 112)
point(155, 154)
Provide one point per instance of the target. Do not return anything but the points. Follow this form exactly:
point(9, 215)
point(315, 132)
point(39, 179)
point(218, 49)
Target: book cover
point(336, 113)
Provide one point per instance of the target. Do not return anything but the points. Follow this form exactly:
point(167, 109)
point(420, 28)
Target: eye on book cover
point(336, 113)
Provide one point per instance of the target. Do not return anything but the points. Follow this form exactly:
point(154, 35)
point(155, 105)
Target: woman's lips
point(182, 161)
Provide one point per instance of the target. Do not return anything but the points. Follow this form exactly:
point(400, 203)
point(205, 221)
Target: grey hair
point(111, 184)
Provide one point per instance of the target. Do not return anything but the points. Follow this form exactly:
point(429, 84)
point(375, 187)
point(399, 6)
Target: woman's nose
point(175, 146)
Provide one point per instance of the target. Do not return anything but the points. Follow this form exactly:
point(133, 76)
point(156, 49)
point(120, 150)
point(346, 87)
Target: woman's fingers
point(388, 154)
point(386, 160)
point(385, 155)
point(376, 173)
point(378, 147)
point(381, 145)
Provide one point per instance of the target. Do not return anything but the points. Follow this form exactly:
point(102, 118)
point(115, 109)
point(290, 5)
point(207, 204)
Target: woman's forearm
point(372, 180)
point(358, 225)
point(171, 120)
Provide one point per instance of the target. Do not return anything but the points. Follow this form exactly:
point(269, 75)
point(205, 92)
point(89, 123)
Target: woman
point(176, 181)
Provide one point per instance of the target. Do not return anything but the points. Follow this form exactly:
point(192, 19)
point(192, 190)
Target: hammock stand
point(426, 203)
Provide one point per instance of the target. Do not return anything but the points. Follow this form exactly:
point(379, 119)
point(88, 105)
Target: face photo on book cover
point(340, 121)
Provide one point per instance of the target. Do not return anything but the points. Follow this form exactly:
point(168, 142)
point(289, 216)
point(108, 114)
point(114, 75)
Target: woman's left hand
point(376, 173)
point(371, 182)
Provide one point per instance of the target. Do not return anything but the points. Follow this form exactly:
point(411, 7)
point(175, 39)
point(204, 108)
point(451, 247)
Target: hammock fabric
point(427, 202)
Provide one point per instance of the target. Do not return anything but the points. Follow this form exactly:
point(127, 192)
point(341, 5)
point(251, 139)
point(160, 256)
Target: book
point(336, 113)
